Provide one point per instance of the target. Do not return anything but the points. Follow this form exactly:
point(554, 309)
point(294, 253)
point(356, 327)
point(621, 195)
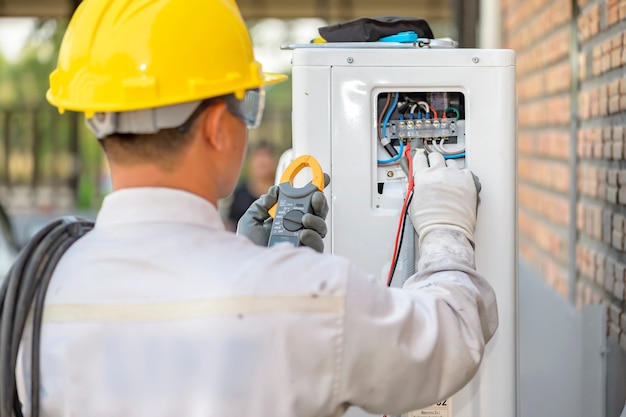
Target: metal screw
point(350, 60)
point(475, 60)
point(390, 174)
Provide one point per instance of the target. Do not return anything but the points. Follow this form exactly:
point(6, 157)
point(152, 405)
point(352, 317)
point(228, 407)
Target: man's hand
point(256, 223)
point(444, 197)
point(314, 223)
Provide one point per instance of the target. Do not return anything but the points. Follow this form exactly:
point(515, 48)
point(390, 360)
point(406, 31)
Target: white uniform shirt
point(161, 312)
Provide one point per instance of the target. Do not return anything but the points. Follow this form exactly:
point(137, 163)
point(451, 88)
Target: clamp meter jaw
point(293, 203)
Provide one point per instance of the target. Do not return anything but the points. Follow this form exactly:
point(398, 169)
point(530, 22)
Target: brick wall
point(571, 77)
point(539, 31)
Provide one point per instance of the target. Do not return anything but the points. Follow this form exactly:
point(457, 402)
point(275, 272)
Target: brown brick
point(618, 132)
point(622, 85)
point(608, 281)
point(594, 102)
point(616, 58)
point(605, 62)
point(583, 101)
point(580, 217)
point(604, 103)
point(614, 88)
point(617, 240)
point(581, 149)
point(607, 224)
point(596, 67)
point(620, 268)
point(621, 177)
point(622, 103)
point(618, 222)
point(596, 52)
point(614, 104)
point(596, 134)
point(598, 275)
point(612, 15)
point(621, 198)
point(618, 289)
point(616, 41)
point(611, 194)
point(618, 150)
point(607, 150)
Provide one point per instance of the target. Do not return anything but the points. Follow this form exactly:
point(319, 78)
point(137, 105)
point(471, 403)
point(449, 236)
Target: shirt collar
point(157, 205)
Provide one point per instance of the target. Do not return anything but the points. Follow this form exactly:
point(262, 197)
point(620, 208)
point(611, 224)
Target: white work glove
point(445, 196)
point(256, 222)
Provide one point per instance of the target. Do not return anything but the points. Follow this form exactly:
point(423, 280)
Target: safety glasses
point(250, 108)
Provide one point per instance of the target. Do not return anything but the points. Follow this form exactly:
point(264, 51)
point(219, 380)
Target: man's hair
point(162, 148)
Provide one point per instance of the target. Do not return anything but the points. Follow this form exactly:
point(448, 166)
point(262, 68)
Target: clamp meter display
point(294, 202)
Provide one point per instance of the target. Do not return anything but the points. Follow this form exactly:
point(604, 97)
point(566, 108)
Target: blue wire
point(457, 156)
point(383, 132)
point(395, 158)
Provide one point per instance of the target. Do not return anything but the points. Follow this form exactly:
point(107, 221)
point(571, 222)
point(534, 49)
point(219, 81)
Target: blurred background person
point(259, 176)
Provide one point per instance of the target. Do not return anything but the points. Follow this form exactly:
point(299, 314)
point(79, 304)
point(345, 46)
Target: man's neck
point(151, 176)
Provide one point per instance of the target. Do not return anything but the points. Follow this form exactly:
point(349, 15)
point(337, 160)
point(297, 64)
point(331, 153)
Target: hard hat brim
point(273, 78)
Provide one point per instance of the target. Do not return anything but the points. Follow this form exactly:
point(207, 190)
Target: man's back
point(165, 308)
point(159, 311)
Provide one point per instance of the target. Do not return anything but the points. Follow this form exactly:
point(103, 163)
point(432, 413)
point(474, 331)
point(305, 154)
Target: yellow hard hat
point(125, 55)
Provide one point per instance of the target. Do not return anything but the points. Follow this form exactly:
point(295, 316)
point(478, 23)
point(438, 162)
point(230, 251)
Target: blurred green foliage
point(39, 147)
point(24, 81)
point(42, 147)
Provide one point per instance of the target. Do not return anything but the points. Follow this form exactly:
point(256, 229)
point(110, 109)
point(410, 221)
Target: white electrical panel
point(355, 108)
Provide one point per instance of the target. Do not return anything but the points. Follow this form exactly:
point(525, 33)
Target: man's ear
point(211, 127)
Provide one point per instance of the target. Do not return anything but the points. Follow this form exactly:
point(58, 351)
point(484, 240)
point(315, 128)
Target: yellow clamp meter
point(293, 203)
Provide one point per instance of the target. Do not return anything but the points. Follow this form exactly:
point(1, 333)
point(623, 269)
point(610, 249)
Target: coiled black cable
point(23, 289)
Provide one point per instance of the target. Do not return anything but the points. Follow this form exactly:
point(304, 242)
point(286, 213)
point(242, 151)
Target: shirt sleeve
point(405, 349)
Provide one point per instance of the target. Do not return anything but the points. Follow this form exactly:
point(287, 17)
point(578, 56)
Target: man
point(159, 311)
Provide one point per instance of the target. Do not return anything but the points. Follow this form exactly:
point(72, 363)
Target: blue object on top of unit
point(402, 37)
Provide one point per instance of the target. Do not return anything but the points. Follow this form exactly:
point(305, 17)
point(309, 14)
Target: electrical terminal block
point(423, 129)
